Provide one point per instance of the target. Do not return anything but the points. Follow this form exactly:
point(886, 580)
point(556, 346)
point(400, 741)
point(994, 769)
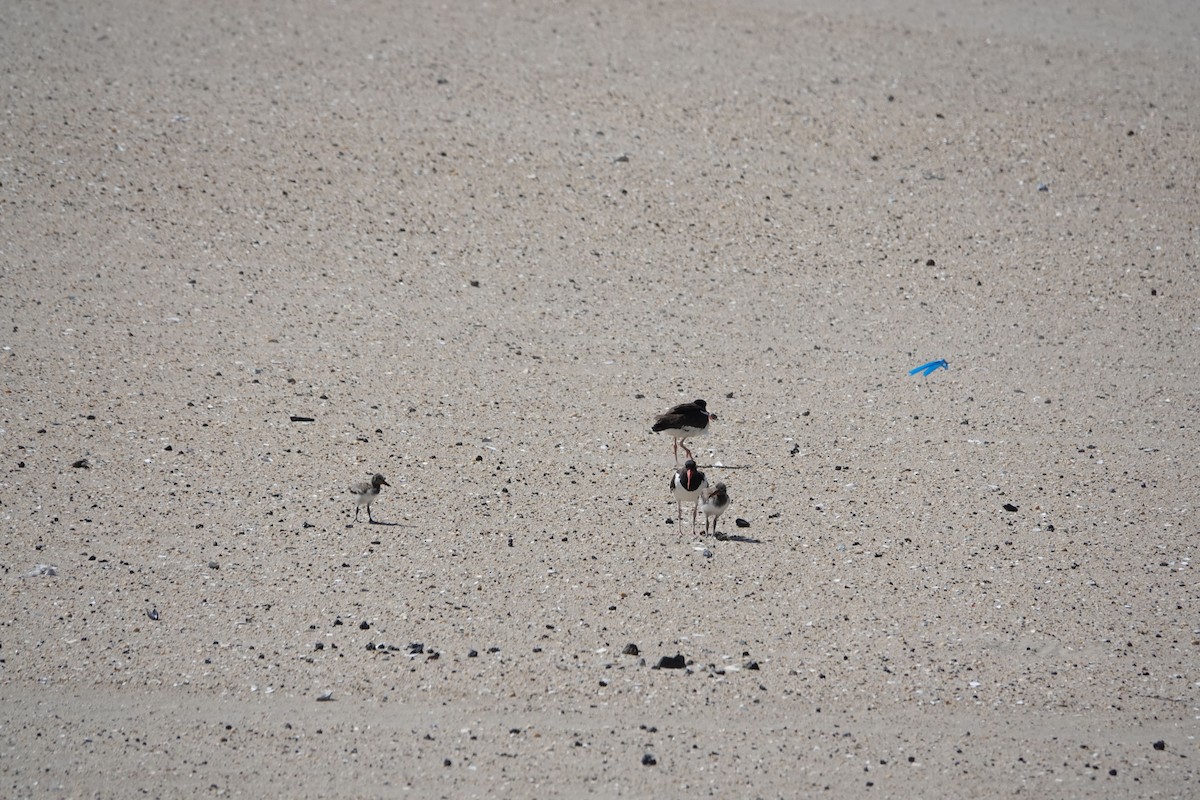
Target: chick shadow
point(382, 523)
point(736, 537)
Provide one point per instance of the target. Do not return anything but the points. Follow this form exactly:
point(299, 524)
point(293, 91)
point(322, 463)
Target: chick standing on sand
point(713, 506)
point(367, 492)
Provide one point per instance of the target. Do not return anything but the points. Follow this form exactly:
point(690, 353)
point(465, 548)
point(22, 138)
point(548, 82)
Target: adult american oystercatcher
point(367, 492)
point(683, 422)
point(688, 484)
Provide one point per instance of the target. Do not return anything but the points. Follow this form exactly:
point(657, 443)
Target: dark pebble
point(752, 665)
point(631, 649)
point(648, 760)
point(153, 614)
point(303, 419)
point(446, 762)
point(1009, 507)
point(370, 645)
point(319, 646)
point(82, 464)
point(741, 523)
point(416, 648)
point(1160, 745)
point(671, 662)
point(364, 626)
point(472, 654)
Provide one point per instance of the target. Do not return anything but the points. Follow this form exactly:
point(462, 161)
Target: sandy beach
point(251, 254)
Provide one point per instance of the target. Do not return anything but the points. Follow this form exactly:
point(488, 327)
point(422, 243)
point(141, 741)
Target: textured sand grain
point(482, 246)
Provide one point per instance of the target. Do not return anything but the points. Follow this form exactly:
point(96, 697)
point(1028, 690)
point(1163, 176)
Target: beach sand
point(481, 247)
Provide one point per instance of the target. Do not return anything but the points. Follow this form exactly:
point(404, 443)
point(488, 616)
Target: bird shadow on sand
point(381, 523)
point(737, 537)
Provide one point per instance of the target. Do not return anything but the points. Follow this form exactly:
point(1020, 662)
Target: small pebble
point(676, 661)
point(741, 523)
point(649, 760)
point(631, 649)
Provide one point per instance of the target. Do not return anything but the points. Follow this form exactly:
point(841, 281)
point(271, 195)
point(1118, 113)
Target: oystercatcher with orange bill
point(688, 484)
point(683, 422)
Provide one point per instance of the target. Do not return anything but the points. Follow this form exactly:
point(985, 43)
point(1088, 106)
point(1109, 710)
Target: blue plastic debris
point(930, 368)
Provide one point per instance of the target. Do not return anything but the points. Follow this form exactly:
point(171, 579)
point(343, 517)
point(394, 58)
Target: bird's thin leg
point(679, 517)
point(685, 447)
point(675, 440)
point(694, 509)
point(356, 513)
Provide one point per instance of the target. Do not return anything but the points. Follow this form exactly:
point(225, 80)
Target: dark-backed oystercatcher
point(367, 492)
point(715, 503)
point(687, 485)
point(682, 422)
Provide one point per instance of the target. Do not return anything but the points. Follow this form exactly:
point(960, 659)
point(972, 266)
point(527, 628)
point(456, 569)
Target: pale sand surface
point(215, 216)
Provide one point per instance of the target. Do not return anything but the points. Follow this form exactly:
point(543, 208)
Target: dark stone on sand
point(631, 649)
point(649, 760)
point(741, 523)
point(416, 648)
point(671, 662)
point(1009, 507)
point(364, 626)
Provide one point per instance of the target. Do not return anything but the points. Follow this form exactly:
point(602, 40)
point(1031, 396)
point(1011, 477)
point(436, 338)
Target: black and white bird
point(688, 484)
point(683, 422)
point(715, 503)
point(367, 492)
